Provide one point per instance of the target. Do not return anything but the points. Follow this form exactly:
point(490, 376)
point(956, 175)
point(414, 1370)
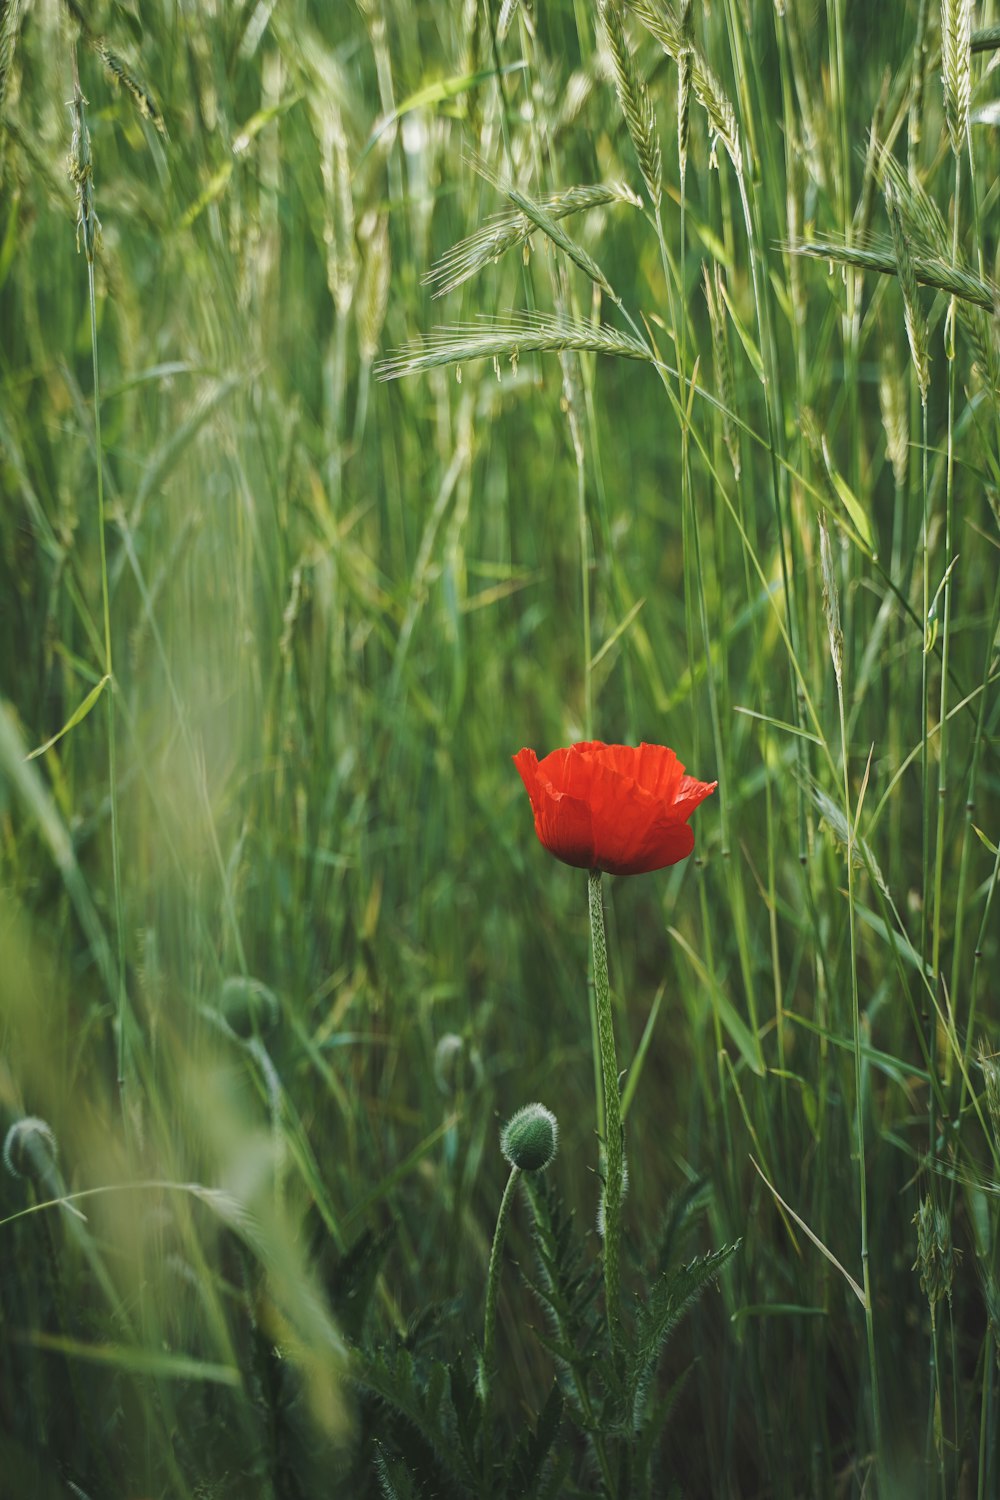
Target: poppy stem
point(613, 1155)
point(490, 1319)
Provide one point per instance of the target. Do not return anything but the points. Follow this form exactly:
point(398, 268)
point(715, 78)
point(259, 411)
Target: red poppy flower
point(617, 808)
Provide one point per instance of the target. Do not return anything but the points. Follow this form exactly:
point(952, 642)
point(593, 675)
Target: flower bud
point(30, 1149)
point(457, 1066)
point(248, 1007)
point(530, 1137)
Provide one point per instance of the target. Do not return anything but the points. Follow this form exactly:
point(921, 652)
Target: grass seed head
point(935, 1253)
point(956, 68)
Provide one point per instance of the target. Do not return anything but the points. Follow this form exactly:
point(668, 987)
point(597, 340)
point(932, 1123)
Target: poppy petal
point(565, 826)
point(620, 808)
point(665, 846)
point(691, 794)
point(562, 822)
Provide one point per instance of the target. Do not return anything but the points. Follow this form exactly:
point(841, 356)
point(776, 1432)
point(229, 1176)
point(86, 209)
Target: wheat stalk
point(928, 269)
point(956, 68)
point(508, 338)
point(373, 290)
point(986, 39)
point(509, 229)
point(916, 327)
point(921, 216)
point(896, 421)
point(633, 96)
point(684, 90)
point(140, 96)
point(664, 24)
point(10, 21)
point(549, 226)
point(721, 361)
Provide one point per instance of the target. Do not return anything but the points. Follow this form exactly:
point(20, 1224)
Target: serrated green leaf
point(672, 1295)
point(354, 1280)
point(533, 1449)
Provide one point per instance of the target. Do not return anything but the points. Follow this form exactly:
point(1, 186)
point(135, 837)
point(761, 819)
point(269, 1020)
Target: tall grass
point(695, 441)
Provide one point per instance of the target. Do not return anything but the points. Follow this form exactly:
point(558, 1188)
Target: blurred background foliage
point(338, 607)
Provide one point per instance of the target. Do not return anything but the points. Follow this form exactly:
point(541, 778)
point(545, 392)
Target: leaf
point(745, 1041)
point(635, 1071)
point(395, 1481)
point(156, 1362)
point(253, 127)
point(857, 1290)
point(678, 1219)
point(399, 1171)
point(438, 93)
point(354, 1280)
point(897, 940)
point(468, 1410)
point(617, 633)
point(74, 719)
point(778, 1310)
point(213, 190)
point(893, 1067)
point(219, 180)
point(535, 1445)
point(778, 724)
point(423, 1440)
point(671, 1297)
point(849, 500)
point(983, 839)
point(566, 1285)
point(752, 352)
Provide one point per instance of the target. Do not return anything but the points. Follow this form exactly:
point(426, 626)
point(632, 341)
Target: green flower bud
point(457, 1066)
point(248, 1007)
point(30, 1149)
point(530, 1137)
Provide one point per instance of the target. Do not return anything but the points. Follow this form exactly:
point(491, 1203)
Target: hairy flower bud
point(30, 1149)
point(530, 1137)
point(457, 1065)
point(248, 1007)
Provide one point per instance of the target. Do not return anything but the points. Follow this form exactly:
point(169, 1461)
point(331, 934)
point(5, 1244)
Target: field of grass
point(386, 385)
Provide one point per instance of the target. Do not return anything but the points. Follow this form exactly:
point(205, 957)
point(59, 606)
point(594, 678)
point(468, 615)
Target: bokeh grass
point(339, 604)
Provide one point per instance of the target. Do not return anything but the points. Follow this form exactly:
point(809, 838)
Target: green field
point(386, 386)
